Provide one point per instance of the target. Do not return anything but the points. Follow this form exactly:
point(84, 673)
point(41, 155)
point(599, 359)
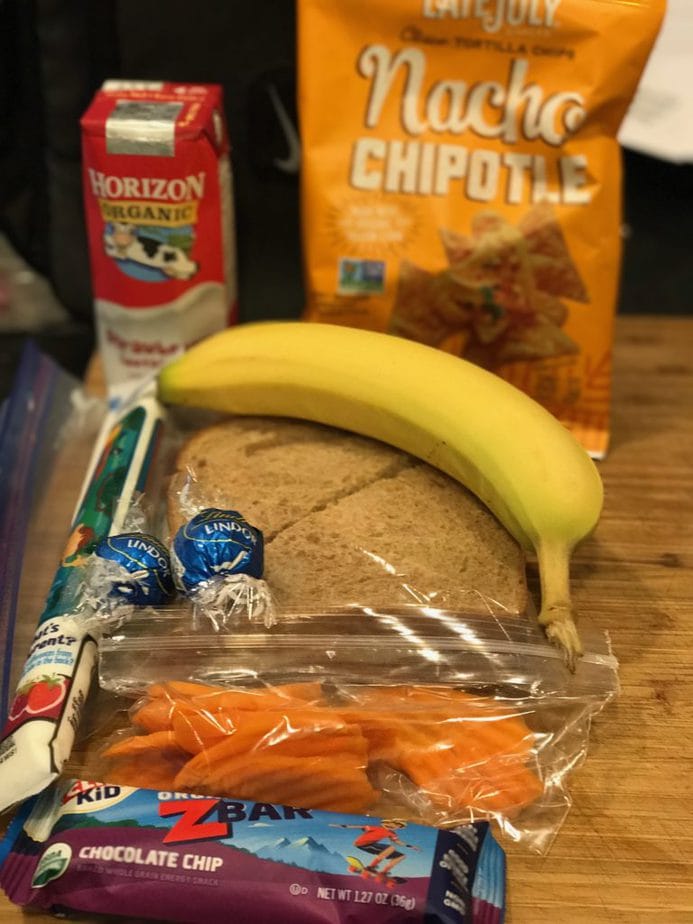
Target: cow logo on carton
point(151, 254)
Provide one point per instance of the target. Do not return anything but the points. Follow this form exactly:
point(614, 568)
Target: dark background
point(55, 53)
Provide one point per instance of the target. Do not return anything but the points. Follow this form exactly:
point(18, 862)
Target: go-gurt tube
point(94, 847)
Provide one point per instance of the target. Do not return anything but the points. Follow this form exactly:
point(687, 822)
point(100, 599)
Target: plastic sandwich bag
point(420, 714)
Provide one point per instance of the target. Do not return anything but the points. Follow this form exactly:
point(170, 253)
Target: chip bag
point(462, 180)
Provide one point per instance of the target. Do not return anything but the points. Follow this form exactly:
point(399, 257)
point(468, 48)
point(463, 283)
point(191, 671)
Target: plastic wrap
point(425, 715)
point(347, 520)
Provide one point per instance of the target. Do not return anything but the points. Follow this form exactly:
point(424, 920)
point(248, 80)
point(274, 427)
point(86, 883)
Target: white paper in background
point(660, 119)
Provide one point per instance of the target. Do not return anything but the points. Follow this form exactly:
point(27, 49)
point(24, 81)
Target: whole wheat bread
point(349, 520)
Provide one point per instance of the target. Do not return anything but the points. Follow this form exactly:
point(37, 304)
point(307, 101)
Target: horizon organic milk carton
point(158, 201)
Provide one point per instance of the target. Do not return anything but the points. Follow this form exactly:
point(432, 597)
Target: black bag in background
point(54, 54)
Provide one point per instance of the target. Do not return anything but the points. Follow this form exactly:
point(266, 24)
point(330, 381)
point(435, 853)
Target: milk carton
point(158, 200)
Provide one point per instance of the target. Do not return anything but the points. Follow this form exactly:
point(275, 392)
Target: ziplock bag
point(421, 714)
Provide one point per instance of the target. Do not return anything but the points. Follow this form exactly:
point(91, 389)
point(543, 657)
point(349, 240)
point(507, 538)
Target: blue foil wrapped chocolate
point(218, 561)
point(216, 543)
point(143, 576)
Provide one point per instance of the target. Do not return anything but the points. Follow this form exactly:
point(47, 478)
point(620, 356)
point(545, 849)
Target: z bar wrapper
point(178, 857)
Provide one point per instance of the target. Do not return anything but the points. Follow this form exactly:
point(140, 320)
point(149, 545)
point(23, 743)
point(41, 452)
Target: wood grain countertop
point(625, 853)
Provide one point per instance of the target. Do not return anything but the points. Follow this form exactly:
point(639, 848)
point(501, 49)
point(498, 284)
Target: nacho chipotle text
point(462, 180)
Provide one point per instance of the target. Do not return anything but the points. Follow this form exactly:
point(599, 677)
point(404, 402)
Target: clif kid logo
point(87, 797)
point(493, 16)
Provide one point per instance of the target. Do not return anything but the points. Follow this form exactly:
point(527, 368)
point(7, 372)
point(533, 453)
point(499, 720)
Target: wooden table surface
point(625, 854)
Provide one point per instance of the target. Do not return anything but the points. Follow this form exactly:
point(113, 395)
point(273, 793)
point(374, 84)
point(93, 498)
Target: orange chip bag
point(462, 180)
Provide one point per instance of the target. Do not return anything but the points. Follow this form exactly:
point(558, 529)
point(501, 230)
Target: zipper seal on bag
point(244, 642)
point(241, 641)
point(22, 433)
point(430, 646)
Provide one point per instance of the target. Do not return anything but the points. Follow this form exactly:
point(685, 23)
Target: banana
point(507, 449)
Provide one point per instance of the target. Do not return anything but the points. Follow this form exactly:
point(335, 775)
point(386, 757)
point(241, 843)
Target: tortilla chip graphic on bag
point(541, 339)
point(428, 307)
point(553, 269)
point(457, 246)
point(550, 307)
point(498, 270)
point(487, 222)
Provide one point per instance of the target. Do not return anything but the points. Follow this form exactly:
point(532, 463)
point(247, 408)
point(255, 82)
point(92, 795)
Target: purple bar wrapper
point(100, 848)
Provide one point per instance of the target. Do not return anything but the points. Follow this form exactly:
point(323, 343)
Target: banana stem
point(556, 615)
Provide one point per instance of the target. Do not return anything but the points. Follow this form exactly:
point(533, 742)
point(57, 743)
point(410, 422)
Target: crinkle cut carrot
point(391, 737)
point(489, 789)
point(153, 715)
point(203, 733)
point(286, 744)
point(430, 758)
point(158, 714)
point(334, 788)
point(441, 759)
point(175, 697)
point(241, 741)
point(443, 702)
point(278, 735)
point(200, 770)
point(138, 744)
point(348, 740)
point(336, 781)
point(220, 698)
point(487, 784)
point(246, 700)
point(141, 771)
point(197, 730)
point(486, 734)
point(499, 734)
point(293, 772)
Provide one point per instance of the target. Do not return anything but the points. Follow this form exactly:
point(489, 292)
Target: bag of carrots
point(416, 718)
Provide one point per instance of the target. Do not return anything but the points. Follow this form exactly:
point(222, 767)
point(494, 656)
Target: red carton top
point(196, 108)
